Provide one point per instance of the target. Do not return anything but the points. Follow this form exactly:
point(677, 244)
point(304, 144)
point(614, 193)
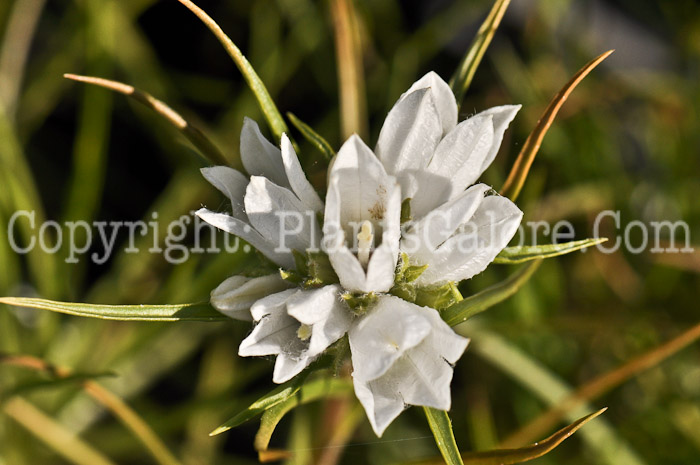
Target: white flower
point(297, 326)
point(362, 224)
point(237, 294)
point(402, 355)
point(436, 160)
point(277, 184)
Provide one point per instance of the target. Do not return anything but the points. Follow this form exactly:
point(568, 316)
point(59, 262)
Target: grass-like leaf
point(351, 82)
point(500, 352)
point(524, 454)
point(521, 254)
point(607, 381)
point(521, 168)
point(464, 74)
point(75, 378)
point(309, 392)
point(441, 426)
point(206, 147)
point(466, 308)
point(66, 443)
point(269, 109)
point(121, 410)
point(269, 400)
point(312, 136)
point(179, 312)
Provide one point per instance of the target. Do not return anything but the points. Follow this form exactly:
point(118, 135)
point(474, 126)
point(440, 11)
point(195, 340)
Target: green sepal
point(405, 291)
point(320, 269)
point(439, 297)
point(292, 276)
point(413, 272)
point(259, 266)
point(359, 303)
point(406, 211)
point(300, 262)
point(313, 270)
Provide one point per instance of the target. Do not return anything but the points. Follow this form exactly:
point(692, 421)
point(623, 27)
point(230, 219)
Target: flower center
point(365, 240)
point(304, 332)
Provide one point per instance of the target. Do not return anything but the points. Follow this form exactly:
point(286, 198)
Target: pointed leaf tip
point(516, 178)
point(203, 144)
point(524, 454)
point(262, 95)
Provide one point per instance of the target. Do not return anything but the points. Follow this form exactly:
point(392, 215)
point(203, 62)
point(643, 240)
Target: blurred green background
point(627, 139)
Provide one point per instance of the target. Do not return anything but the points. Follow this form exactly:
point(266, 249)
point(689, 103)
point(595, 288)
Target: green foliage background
point(627, 140)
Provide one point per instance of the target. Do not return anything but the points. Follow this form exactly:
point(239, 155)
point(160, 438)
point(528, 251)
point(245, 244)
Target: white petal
point(237, 294)
point(440, 224)
point(390, 328)
point(461, 154)
point(409, 136)
point(382, 264)
point(362, 181)
point(464, 255)
point(426, 190)
point(421, 377)
point(287, 367)
point(346, 265)
point(323, 310)
point(502, 116)
point(360, 190)
point(232, 184)
point(444, 98)
point(297, 179)
point(259, 156)
point(381, 401)
point(243, 230)
point(280, 217)
point(444, 340)
point(275, 329)
point(271, 304)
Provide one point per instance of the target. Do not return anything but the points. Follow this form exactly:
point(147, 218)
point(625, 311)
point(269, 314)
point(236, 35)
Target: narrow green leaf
point(312, 136)
point(464, 74)
point(515, 255)
point(269, 400)
point(179, 312)
point(516, 178)
point(351, 79)
point(20, 192)
point(64, 442)
point(206, 147)
point(524, 454)
point(75, 378)
point(477, 303)
point(269, 109)
point(441, 426)
point(504, 355)
point(309, 392)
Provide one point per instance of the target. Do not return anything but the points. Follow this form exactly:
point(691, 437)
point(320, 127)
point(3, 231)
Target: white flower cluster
point(402, 353)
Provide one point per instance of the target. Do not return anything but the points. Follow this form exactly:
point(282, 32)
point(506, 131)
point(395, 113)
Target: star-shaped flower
point(296, 326)
point(277, 184)
point(458, 229)
point(402, 354)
